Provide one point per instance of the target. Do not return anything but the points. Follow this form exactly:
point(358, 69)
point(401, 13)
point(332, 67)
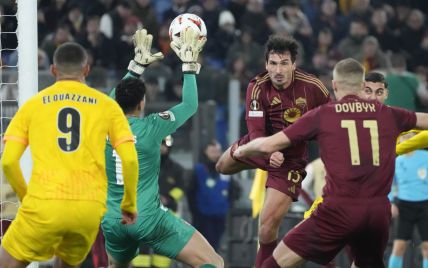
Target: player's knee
point(399, 247)
point(424, 248)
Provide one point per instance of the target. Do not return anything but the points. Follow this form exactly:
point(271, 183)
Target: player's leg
point(275, 207)
point(80, 230)
point(177, 239)
point(7, 261)
point(228, 165)
point(369, 242)
point(283, 256)
point(120, 248)
point(198, 252)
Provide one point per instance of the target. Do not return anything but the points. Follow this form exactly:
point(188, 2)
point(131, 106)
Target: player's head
point(70, 61)
point(348, 78)
point(130, 95)
point(375, 87)
point(280, 56)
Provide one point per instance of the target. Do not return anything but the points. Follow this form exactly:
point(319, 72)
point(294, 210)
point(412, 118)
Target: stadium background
point(376, 33)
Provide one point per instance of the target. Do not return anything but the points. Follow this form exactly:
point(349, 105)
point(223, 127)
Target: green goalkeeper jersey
point(149, 133)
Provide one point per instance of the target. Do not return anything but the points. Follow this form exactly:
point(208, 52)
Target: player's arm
point(128, 155)
point(305, 128)
point(263, 146)
point(143, 56)
point(187, 48)
point(13, 151)
point(419, 141)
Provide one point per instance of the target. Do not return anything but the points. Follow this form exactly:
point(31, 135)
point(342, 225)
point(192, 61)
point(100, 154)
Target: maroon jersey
point(357, 144)
point(269, 110)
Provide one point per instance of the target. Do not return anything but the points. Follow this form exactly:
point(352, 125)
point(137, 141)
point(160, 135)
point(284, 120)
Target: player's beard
point(281, 81)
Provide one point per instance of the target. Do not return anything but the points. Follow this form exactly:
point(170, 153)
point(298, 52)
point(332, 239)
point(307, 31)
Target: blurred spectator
point(42, 27)
point(125, 44)
point(101, 48)
point(419, 60)
point(144, 11)
point(216, 48)
point(371, 55)
point(255, 19)
point(55, 10)
point(211, 13)
point(403, 86)
point(74, 20)
point(42, 60)
point(414, 31)
point(171, 177)
point(112, 22)
point(237, 7)
point(210, 195)
point(177, 7)
point(402, 11)
point(328, 17)
point(379, 28)
point(52, 41)
point(360, 9)
point(252, 51)
point(352, 44)
point(292, 21)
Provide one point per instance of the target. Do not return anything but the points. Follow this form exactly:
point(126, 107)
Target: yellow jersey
point(66, 126)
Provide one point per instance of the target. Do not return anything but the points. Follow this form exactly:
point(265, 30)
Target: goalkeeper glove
point(143, 57)
point(187, 48)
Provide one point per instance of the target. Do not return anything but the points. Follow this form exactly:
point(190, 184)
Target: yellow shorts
point(43, 228)
point(313, 207)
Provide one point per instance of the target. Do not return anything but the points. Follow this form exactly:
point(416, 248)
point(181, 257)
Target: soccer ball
point(184, 21)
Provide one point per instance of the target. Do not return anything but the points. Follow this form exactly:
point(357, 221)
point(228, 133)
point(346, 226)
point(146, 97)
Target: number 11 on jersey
point(353, 140)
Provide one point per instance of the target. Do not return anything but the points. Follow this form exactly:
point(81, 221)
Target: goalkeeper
point(156, 227)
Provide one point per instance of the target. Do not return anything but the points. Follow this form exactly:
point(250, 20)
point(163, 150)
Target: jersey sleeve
point(119, 131)
point(168, 121)
point(419, 141)
point(18, 127)
point(255, 112)
point(305, 128)
point(404, 119)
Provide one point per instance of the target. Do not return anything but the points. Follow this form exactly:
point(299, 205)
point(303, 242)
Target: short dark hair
point(70, 58)
point(280, 44)
point(129, 93)
point(376, 77)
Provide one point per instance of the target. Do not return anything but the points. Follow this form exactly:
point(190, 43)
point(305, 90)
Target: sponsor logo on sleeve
point(167, 115)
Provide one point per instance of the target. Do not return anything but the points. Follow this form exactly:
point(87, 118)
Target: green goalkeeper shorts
point(162, 231)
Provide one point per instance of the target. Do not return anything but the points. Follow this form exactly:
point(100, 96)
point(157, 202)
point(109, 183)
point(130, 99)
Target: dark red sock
point(265, 251)
point(270, 263)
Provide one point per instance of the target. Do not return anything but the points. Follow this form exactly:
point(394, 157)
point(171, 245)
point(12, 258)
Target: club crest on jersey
point(254, 105)
point(292, 114)
point(301, 102)
point(167, 115)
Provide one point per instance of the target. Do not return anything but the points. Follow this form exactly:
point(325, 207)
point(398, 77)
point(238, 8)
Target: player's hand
point(128, 217)
point(394, 210)
point(187, 47)
point(276, 159)
point(143, 55)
